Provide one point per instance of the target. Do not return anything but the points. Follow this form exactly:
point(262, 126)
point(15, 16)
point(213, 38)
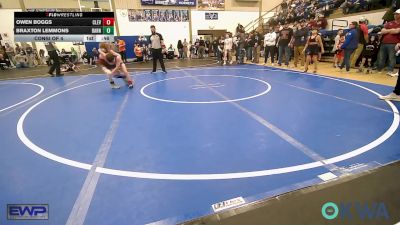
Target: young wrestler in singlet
point(111, 63)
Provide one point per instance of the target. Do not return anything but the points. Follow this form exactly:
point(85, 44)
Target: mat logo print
point(27, 212)
point(350, 210)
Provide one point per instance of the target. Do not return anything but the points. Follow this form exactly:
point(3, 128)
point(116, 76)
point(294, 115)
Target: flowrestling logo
point(353, 210)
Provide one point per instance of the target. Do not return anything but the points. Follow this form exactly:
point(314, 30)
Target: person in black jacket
point(52, 51)
point(180, 49)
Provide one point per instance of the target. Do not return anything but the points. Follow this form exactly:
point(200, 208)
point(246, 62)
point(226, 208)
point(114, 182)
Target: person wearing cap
point(298, 42)
point(390, 37)
point(350, 45)
point(363, 38)
point(395, 95)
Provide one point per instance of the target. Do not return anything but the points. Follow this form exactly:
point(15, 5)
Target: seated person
point(171, 52)
point(69, 67)
point(138, 52)
point(4, 62)
point(86, 58)
point(22, 60)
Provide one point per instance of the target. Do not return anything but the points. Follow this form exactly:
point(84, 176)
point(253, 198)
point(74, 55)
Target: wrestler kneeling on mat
point(114, 67)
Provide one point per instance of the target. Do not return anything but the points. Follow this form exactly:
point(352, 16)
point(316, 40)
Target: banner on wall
point(169, 2)
point(158, 15)
point(211, 16)
point(211, 4)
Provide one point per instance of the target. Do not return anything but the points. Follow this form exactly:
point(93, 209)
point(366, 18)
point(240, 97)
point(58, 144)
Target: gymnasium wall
point(226, 20)
point(171, 32)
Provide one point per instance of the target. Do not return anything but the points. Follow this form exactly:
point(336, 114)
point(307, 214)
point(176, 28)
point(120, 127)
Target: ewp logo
point(364, 211)
point(28, 212)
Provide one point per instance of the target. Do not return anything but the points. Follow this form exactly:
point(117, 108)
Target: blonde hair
point(106, 46)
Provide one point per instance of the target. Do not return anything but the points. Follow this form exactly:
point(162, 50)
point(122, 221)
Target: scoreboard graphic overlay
point(64, 26)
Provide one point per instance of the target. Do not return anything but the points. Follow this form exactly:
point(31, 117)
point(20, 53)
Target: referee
point(52, 50)
point(157, 42)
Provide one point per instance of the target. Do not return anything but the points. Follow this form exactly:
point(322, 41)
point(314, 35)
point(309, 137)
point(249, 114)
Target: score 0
point(108, 21)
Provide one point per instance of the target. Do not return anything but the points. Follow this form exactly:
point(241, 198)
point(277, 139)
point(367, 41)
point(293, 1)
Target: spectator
point(74, 55)
point(298, 42)
point(215, 46)
point(395, 95)
point(86, 58)
point(180, 49)
point(363, 38)
point(269, 46)
point(277, 32)
point(196, 48)
point(339, 56)
point(145, 52)
point(228, 44)
point(369, 54)
point(285, 36)
point(350, 45)
point(18, 49)
point(202, 47)
point(235, 46)
point(122, 49)
point(207, 48)
point(4, 62)
point(256, 47)
point(42, 57)
point(240, 29)
point(321, 22)
point(10, 53)
point(142, 41)
point(240, 48)
point(220, 52)
point(249, 47)
point(314, 43)
point(312, 24)
point(185, 49)
point(391, 36)
point(171, 52)
point(138, 52)
point(335, 47)
point(22, 60)
point(95, 54)
point(30, 55)
point(191, 50)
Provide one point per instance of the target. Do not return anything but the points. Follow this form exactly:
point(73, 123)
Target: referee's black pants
point(157, 54)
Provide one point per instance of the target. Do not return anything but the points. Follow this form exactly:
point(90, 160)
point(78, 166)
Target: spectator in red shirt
point(321, 22)
point(391, 36)
point(312, 24)
point(363, 38)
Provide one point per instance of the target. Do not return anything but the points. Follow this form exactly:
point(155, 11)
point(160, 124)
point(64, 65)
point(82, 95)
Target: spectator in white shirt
point(228, 44)
point(269, 45)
